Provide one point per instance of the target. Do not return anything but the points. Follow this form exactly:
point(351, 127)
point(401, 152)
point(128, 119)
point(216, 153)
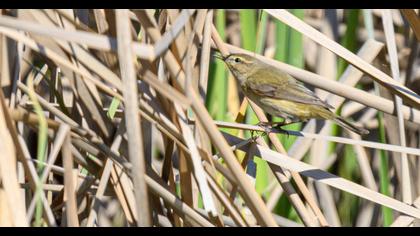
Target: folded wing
point(288, 88)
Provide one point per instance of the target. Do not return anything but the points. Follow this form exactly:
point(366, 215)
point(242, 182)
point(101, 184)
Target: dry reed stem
point(392, 50)
point(69, 184)
point(132, 119)
point(413, 20)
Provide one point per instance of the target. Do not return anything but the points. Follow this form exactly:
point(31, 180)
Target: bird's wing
point(286, 89)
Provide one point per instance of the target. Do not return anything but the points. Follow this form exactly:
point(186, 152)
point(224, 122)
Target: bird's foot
point(267, 126)
point(255, 137)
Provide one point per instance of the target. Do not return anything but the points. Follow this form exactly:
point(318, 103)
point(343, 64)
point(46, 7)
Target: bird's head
point(241, 65)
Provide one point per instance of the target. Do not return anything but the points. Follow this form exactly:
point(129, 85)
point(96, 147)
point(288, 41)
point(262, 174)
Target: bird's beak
point(219, 56)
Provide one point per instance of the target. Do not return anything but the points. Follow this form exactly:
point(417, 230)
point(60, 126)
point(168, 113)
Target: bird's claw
point(267, 129)
point(264, 123)
point(254, 137)
point(267, 126)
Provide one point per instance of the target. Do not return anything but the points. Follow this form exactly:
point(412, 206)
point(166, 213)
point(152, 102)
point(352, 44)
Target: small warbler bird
point(279, 94)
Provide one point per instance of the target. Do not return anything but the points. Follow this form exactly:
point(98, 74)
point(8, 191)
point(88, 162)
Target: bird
point(279, 94)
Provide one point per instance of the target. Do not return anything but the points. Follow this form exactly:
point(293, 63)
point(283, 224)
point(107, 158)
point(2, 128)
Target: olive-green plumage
point(279, 94)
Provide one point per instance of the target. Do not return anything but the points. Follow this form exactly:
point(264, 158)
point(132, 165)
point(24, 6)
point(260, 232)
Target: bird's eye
point(237, 60)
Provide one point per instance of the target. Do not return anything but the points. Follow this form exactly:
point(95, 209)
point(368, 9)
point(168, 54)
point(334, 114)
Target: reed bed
point(124, 118)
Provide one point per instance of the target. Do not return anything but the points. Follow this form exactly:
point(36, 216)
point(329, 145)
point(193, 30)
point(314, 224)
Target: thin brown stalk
point(69, 185)
point(8, 175)
point(132, 119)
point(413, 20)
point(229, 205)
point(205, 55)
point(176, 203)
point(199, 173)
point(92, 40)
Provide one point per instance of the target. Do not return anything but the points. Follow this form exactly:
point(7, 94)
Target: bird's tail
point(346, 124)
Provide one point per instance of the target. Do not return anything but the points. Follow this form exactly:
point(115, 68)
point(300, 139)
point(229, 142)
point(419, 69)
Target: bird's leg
point(252, 136)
